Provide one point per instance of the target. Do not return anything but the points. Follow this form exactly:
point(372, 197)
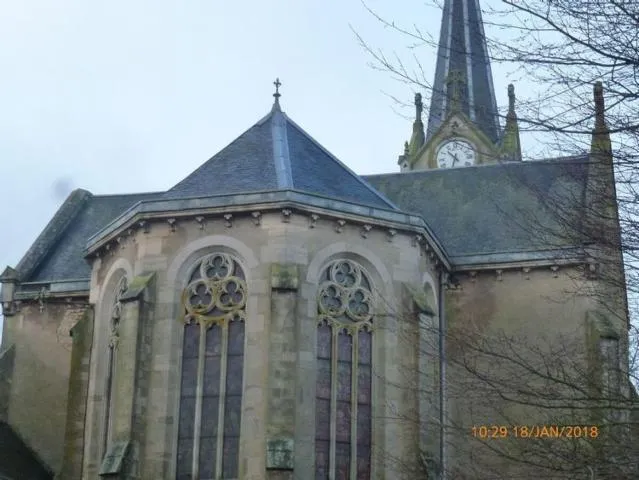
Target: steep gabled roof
point(276, 154)
point(495, 209)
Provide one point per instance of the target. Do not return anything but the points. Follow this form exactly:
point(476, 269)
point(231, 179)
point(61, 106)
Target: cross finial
point(418, 106)
point(277, 84)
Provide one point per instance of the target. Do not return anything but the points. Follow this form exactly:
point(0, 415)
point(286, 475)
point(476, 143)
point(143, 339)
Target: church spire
point(463, 79)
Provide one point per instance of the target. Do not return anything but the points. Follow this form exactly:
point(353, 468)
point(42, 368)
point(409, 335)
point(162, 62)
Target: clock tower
point(463, 120)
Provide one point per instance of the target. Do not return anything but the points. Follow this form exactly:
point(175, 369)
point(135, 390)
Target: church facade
point(302, 321)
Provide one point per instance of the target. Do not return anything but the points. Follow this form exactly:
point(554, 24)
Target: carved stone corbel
point(286, 215)
point(554, 269)
point(314, 218)
point(171, 222)
point(201, 221)
point(228, 220)
point(526, 271)
point(339, 225)
point(145, 226)
point(499, 277)
point(391, 234)
point(366, 228)
point(257, 218)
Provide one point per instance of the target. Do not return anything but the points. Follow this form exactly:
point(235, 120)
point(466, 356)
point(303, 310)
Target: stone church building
point(298, 320)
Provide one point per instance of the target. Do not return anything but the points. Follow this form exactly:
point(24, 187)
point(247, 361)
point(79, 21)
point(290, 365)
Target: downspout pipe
point(443, 277)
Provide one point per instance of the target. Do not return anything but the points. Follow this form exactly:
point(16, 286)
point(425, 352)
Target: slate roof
point(17, 461)
point(462, 48)
point(276, 154)
point(501, 208)
point(57, 253)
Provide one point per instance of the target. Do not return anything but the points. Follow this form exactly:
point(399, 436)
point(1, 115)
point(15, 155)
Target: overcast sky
point(131, 96)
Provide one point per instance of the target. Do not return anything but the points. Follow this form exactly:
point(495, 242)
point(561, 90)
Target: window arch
point(343, 416)
point(114, 337)
point(213, 309)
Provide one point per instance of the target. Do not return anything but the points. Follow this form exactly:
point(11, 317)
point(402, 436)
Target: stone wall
point(40, 379)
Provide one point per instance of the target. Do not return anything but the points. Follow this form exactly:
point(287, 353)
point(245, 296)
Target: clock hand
point(455, 159)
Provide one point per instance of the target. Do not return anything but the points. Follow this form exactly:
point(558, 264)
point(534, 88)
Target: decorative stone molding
point(526, 271)
point(286, 215)
point(554, 269)
point(171, 222)
point(121, 241)
point(365, 229)
point(41, 297)
point(200, 221)
point(314, 218)
point(228, 220)
point(257, 218)
point(340, 225)
point(145, 226)
point(499, 277)
point(417, 240)
point(473, 276)
point(391, 234)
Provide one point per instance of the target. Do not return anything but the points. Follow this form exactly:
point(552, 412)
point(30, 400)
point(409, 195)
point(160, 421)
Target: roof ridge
point(49, 236)
point(342, 164)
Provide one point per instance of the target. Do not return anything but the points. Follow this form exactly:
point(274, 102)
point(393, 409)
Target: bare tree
point(566, 47)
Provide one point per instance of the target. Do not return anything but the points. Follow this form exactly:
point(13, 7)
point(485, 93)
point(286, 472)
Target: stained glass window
point(343, 393)
point(212, 370)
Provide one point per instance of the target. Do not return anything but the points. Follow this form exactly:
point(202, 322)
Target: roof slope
point(509, 207)
point(59, 256)
point(276, 154)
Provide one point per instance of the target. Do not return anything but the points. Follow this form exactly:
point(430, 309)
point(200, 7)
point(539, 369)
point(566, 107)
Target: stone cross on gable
point(455, 81)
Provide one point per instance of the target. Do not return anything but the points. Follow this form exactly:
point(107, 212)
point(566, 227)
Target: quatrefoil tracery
point(345, 299)
point(216, 293)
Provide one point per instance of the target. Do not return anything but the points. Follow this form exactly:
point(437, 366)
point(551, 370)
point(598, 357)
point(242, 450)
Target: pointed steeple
point(417, 139)
point(511, 145)
point(463, 78)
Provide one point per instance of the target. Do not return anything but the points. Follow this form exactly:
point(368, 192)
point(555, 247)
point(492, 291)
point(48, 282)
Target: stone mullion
point(354, 359)
point(108, 398)
point(334, 352)
point(222, 399)
point(199, 392)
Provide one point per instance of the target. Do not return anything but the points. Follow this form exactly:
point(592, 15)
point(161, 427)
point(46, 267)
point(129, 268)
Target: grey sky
point(131, 96)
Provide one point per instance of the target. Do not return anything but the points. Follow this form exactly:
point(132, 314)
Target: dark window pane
point(214, 340)
point(234, 370)
point(230, 457)
point(344, 347)
point(343, 422)
point(208, 449)
point(189, 377)
point(344, 381)
point(364, 384)
point(323, 380)
point(191, 343)
point(212, 376)
point(363, 425)
point(187, 417)
point(210, 414)
point(364, 348)
point(322, 419)
point(343, 460)
point(232, 415)
point(321, 460)
point(323, 341)
point(363, 463)
point(236, 337)
point(184, 458)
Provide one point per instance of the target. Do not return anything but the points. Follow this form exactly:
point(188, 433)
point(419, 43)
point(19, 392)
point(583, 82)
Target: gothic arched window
point(114, 337)
point(212, 365)
point(343, 396)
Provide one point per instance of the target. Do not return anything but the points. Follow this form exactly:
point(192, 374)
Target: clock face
point(456, 153)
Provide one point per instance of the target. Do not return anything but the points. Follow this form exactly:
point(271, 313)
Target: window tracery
point(212, 370)
point(344, 360)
